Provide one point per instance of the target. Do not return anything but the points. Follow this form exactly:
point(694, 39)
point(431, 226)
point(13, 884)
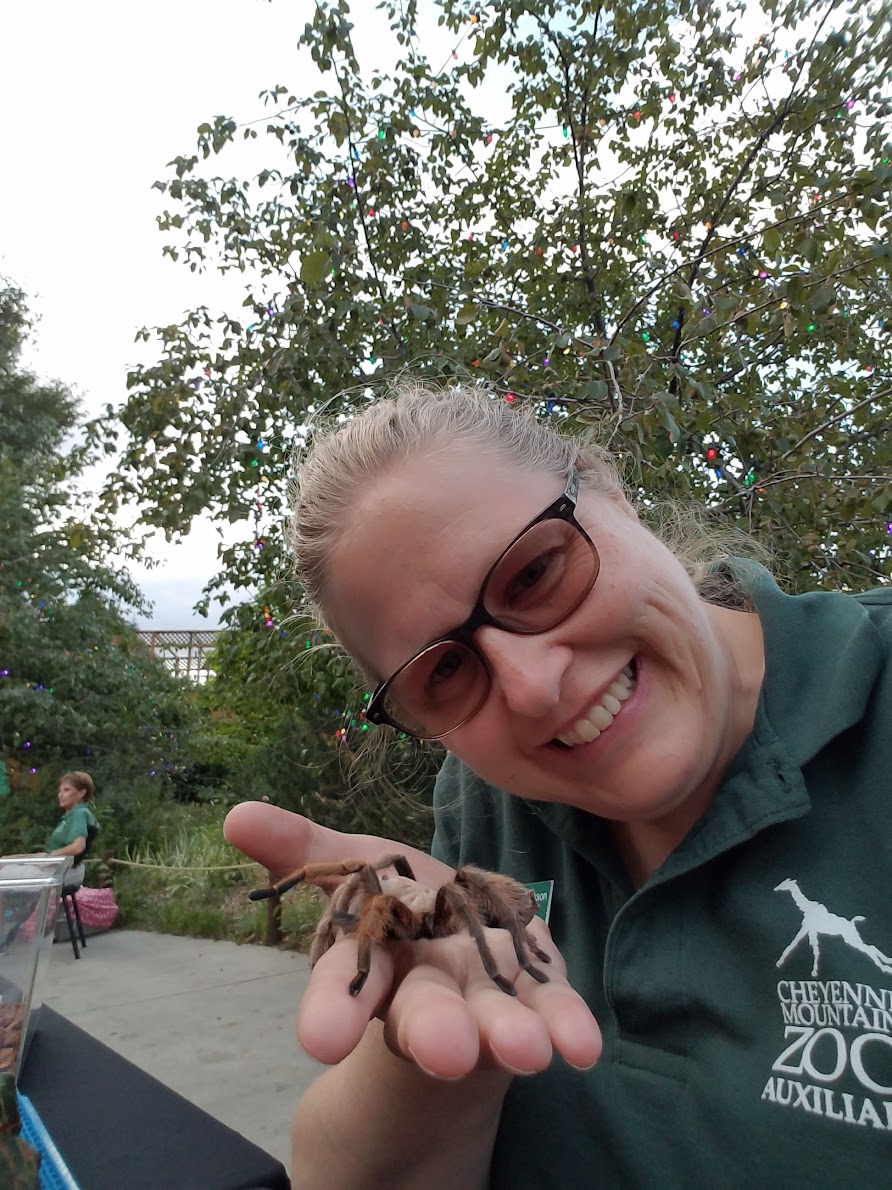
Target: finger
point(513, 1037)
point(331, 1022)
point(572, 1028)
point(518, 1034)
point(282, 841)
point(566, 1017)
point(430, 1023)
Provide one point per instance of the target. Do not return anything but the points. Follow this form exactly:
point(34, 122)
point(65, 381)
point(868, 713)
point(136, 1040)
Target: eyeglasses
point(536, 583)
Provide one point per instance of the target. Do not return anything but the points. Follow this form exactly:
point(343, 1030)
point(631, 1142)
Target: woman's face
point(69, 795)
point(410, 567)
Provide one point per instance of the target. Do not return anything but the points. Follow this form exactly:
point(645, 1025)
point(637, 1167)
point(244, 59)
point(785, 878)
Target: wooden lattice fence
point(183, 650)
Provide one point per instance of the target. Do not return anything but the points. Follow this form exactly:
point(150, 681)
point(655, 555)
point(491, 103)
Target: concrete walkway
point(212, 1020)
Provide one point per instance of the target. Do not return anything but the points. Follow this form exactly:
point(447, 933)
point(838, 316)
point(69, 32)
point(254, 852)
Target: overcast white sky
point(96, 97)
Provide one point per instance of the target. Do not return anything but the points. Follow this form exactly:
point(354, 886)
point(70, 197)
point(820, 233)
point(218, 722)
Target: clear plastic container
point(29, 896)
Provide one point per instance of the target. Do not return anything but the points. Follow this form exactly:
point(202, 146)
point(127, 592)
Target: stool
point(70, 894)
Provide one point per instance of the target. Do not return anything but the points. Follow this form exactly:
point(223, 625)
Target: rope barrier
point(129, 863)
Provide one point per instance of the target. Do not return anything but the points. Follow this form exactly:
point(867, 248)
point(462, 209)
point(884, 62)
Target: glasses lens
point(438, 690)
point(542, 577)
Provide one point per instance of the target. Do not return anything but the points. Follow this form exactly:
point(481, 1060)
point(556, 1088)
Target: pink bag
point(97, 907)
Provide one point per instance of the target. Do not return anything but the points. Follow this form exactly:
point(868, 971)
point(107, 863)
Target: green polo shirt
point(745, 991)
point(73, 825)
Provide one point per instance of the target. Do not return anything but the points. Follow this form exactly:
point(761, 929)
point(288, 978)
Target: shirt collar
point(823, 658)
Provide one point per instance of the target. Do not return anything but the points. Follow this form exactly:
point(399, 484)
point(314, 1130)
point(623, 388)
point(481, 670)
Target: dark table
point(116, 1126)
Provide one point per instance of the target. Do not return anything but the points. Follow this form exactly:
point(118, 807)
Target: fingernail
point(509, 1069)
point(443, 1078)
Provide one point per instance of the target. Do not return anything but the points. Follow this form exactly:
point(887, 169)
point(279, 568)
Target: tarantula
point(378, 908)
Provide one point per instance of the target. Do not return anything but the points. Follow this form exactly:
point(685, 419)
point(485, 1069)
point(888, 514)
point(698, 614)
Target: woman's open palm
point(439, 1007)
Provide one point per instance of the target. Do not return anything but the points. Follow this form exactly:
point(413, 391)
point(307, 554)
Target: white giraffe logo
point(817, 920)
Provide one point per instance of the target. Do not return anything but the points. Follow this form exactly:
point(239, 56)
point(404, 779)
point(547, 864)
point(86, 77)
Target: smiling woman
point(662, 737)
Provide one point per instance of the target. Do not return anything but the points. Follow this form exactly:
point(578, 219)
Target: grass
point(166, 897)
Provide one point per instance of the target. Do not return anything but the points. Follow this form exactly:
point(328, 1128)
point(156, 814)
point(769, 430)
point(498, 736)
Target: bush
point(170, 896)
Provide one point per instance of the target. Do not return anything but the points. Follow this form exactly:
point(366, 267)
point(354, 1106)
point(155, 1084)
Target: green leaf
point(313, 267)
point(595, 390)
point(808, 248)
point(675, 433)
point(467, 313)
point(771, 240)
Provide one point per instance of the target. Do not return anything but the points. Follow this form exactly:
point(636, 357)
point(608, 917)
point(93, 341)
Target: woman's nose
point(528, 671)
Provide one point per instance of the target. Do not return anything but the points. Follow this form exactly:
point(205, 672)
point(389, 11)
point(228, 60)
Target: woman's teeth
point(602, 714)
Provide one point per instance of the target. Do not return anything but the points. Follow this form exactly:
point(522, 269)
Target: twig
point(831, 420)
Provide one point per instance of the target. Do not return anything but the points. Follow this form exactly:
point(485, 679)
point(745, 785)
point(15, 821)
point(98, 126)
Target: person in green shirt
point(69, 837)
point(695, 765)
point(70, 834)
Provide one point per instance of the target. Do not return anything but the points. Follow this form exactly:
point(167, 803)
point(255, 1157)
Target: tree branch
point(832, 421)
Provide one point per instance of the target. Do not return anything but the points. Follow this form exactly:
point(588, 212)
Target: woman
point(71, 833)
point(698, 762)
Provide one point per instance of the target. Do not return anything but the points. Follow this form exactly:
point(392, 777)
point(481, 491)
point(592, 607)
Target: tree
point(286, 721)
point(76, 687)
point(671, 219)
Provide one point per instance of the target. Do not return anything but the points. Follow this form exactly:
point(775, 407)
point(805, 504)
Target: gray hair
point(415, 419)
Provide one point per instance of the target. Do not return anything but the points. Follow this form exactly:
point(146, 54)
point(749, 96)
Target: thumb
point(282, 841)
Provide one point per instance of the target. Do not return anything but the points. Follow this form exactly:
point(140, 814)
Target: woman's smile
point(602, 712)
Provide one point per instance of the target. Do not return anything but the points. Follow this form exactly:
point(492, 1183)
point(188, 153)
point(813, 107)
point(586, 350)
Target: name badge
point(542, 890)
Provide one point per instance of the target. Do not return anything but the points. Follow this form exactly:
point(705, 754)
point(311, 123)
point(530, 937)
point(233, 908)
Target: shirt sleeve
point(73, 826)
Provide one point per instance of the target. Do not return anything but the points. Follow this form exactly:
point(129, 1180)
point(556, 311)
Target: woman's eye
point(447, 667)
point(534, 574)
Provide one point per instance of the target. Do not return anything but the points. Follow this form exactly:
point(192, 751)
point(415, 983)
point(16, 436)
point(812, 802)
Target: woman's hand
point(440, 1009)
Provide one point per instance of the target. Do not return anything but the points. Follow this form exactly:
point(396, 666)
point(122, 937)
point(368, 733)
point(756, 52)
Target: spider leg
point(454, 905)
point(399, 863)
point(383, 917)
point(497, 898)
point(326, 876)
point(522, 941)
point(325, 936)
point(363, 961)
point(531, 944)
point(279, 888)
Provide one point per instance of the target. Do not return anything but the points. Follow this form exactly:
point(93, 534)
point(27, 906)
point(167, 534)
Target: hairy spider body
point(379, 908)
